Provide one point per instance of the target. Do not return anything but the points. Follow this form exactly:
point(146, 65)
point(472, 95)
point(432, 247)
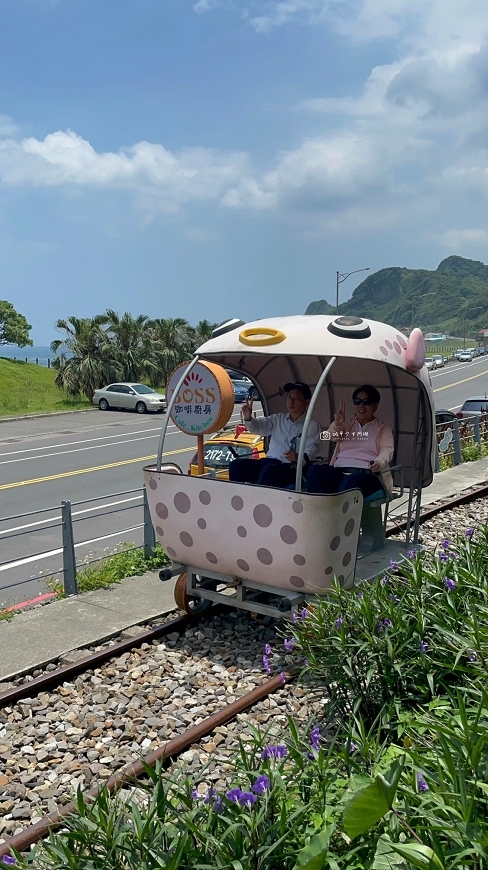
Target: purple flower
point(289, 644)
point(469, 533)
point(382, 624)
point(7, 859)
point(266, 665)
point(218, 805)
point(471, 655)
point(449, 584)
point(445, 544)
point(394, 598)
point(387, 623)
point(315, 738)
point(443, 557)
point(384, 580)
point(262, 784)
point(410, 554)
point(195, 794)
point(304, 613)
point(247, 798)
point(211, 794)
point(283, 677)
point(339, 622)
point(233, 795)
point(422, 785)
point(350, 746)
point(294, 616)
point(423, 646)
point(360, 595)
point(306, 662)
point(278, 751)
point(267, 649)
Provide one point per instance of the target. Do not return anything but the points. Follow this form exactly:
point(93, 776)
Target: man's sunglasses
point(362, 402)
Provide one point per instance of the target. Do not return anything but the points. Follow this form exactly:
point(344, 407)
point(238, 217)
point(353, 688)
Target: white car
point(439, 361)
point(136, 397)
point(430, 364)
point(465, 356)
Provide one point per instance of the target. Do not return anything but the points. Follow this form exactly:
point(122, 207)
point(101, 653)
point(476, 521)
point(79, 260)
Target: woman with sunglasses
point(364, 447)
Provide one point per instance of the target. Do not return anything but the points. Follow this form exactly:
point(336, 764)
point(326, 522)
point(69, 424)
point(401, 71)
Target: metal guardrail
point(454, 437)
point(68, 517)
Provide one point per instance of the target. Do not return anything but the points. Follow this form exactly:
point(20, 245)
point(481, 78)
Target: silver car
point(136, 397)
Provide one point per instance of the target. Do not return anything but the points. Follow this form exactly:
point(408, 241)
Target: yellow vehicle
point(232, 442)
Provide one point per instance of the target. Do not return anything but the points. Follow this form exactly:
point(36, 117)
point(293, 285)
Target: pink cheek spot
point(384, 350)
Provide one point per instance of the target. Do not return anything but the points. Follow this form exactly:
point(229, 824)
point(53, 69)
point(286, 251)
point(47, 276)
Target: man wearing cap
point(278, 468)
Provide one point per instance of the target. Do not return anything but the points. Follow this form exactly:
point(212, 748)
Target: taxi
point(232, 442)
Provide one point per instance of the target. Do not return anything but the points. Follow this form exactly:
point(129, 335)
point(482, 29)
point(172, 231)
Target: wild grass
point(26, 388)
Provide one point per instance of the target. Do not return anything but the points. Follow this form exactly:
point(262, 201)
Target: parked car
point(232, 442)
point(444, 416)
point(241, 392)
point(439, 361)
point(136, 397)
point(474, 405)
point(465, 356)
point(430, 364)
point(242, 380)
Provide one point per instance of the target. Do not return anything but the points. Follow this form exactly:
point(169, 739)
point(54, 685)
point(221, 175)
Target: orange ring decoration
point(271, 336)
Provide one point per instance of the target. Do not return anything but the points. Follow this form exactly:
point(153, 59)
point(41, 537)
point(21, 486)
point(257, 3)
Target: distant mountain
point(455, 294)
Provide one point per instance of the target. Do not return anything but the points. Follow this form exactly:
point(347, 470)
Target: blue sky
point(217, 158)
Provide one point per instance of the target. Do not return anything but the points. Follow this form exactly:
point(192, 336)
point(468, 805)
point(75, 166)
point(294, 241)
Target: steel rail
point(136, 770)
point(456, 501)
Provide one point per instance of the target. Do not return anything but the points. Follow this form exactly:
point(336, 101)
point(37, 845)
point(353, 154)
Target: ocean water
point(27, 353)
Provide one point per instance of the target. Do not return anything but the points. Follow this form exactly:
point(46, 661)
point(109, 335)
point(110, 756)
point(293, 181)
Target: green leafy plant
point(125, 561)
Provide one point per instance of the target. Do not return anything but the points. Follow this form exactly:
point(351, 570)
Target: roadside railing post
point(458, 457)
point(149, 535)
point(437, 466)
point(69, 560)
point(477, 433)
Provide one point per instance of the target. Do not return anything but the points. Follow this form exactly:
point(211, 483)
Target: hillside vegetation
point(459, 289)
point(26, 388)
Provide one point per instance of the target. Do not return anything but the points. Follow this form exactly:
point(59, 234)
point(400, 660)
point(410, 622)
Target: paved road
point(75, 457)
point(91, 455)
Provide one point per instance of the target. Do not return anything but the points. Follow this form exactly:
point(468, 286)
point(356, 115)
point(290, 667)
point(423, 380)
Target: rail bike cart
point(265, 549)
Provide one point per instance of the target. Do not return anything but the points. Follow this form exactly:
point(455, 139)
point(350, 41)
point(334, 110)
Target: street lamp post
point(340, 278)
point(420, 296)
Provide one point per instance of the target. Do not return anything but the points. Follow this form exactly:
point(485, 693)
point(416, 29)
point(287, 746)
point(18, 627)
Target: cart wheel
point(191, 606)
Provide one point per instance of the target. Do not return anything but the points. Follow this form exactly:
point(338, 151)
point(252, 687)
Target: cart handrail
point(170, 408)
point(308, 417)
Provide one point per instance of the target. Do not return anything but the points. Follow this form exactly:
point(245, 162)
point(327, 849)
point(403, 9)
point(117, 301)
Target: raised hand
point(340, 417)
point(247, 410)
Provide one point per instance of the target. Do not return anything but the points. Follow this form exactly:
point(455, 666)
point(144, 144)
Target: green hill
point(456, 288)
point(26, 388)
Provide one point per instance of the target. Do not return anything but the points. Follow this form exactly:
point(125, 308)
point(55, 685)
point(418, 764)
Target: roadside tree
point(14, 328)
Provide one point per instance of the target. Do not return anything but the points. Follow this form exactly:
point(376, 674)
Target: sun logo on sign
point(193, 378)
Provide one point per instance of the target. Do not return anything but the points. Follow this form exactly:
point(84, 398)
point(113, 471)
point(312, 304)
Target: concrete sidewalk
point(38, 636)
point(41, 635)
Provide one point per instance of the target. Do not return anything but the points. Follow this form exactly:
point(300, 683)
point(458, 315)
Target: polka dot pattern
point(384, 350)
point(388, 344)
point(290, 542)
point(401, 341)
point(262, 516)
point(264, 556)
point(182, 503)
point(153, 484)
point(397, 347)
point(288, 535)
point(349, 527)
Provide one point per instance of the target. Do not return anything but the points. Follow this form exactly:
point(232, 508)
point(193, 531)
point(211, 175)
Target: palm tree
point(132, 346)
point(172, 342)
point(201, 333)
point(84, 361)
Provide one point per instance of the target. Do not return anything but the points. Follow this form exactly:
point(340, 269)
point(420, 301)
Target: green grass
point(26, 388)
point(125, 561)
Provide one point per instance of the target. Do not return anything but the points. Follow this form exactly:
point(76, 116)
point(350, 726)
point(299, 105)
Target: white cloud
point(277, 14)
point(458, 240)
point(202, 6)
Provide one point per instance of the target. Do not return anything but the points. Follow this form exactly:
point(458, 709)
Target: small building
point(482, 335)
point(435, 336)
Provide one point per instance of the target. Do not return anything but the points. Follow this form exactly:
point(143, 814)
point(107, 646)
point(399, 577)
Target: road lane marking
point(76, 450)
point(95, 468)
point(73, 513)
point(456, 383)
point(19, 562)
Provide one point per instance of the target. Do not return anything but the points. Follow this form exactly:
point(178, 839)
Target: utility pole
point(340, 278)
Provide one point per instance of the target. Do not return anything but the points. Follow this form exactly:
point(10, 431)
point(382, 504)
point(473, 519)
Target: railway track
point(182, 688)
